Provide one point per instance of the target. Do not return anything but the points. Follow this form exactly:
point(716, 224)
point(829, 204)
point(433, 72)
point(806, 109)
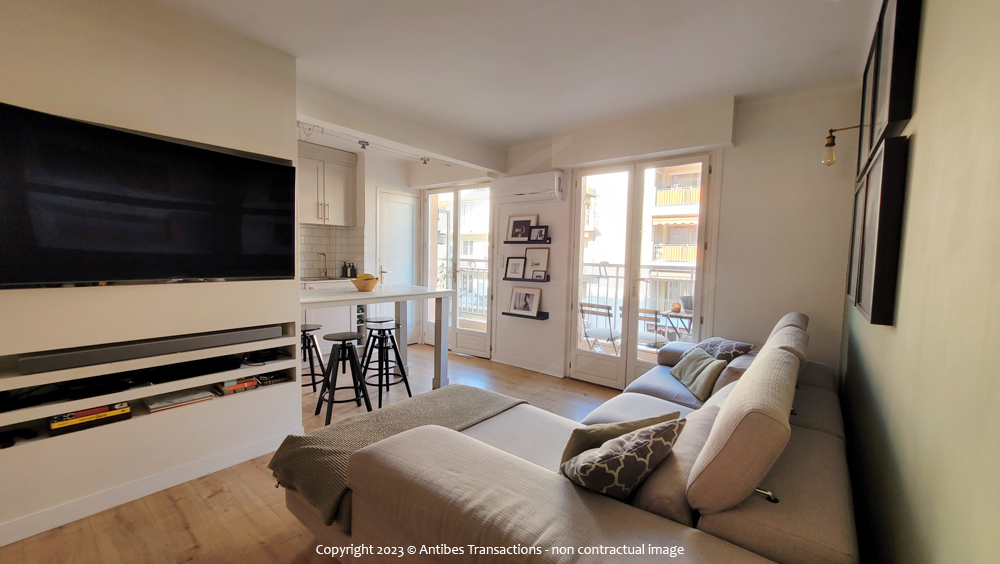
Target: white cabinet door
point(333, 320)
point(310, 186)
point(338, 185)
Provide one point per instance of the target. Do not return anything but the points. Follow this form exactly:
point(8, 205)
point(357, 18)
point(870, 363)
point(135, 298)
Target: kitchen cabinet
point(326, 185)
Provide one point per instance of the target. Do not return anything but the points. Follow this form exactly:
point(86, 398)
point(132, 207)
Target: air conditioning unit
point(541, 187)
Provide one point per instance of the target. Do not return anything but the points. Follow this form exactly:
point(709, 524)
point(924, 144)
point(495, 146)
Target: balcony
point(675, 253)
point(677, 196)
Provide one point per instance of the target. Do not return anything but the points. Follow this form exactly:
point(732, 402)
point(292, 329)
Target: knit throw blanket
point(315, 464)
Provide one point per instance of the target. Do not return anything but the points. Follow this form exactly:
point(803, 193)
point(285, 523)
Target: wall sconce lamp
point(830, 155)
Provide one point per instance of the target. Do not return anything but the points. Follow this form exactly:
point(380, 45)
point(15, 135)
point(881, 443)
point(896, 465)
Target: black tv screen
point(83, 203)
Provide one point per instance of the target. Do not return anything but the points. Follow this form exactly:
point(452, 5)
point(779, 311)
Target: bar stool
point(310, 350)
point(343, 351)
point(382, 342)
point(374, 321)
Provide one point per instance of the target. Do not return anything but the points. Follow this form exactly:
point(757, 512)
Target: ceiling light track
point(308, 130)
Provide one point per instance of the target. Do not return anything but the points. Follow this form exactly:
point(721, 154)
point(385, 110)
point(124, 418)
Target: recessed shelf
point(542, 315)
point(139, 411)
point(56, 408)
point(546, 241)
point(11, 380)
point(527, 279)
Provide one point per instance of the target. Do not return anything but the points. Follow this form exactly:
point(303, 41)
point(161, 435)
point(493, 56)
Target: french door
point(640, 254)
point(458, 258)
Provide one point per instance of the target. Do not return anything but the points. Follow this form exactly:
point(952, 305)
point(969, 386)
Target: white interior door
point(398, 250)
point(458, 258)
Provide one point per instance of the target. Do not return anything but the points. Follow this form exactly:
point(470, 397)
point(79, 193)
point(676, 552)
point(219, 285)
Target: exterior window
point(467, 248)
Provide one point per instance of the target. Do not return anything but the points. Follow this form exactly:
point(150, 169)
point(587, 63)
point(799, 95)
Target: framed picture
point(538, 258)
point(515, 267)
point(878, 264)
point(856, 231)
point(899, 38)
point(518, 227)
point(868, 92)
point(538, 233)
point(525, 301)
point(538, 275)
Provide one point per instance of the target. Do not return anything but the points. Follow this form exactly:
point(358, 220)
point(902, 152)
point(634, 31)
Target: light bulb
point(829, 156)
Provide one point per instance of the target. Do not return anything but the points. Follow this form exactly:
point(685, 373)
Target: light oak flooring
point(237, 514)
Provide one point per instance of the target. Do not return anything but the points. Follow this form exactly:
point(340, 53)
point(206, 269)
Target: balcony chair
point(595, 336)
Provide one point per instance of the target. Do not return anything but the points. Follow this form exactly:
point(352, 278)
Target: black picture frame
point(538, 233)
point(878, 261)
point(538, 275)
point(857, 228)
point(899, 43)
point(869, 92)
point(506, 273)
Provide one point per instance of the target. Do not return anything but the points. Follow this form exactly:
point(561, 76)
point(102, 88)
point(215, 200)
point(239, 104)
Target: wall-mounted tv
point(87, 204)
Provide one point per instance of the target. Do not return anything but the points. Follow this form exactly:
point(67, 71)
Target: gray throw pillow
point(721, 349)
point(618, 466)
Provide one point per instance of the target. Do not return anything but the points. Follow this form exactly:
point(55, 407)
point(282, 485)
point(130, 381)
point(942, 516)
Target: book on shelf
point(87, 418)
point(273, 378)
point(177, 399)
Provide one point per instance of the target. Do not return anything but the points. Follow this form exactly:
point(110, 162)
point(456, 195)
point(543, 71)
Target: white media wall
point(139, 65)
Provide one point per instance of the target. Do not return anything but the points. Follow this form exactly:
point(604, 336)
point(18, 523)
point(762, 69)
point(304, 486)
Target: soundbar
point(103, 354)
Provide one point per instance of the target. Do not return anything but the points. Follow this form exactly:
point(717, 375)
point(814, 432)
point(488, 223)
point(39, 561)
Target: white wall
point(140, 65)
point(785, 218)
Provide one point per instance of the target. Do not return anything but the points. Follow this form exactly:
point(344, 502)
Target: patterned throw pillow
point(619, 465)
point(721, 349)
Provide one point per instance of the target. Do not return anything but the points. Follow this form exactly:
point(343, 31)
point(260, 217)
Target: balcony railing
point(473, 287)
point(677, 196)
point(659, 288)
point(676, 253)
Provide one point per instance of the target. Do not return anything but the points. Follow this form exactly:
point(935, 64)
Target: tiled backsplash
point(339, 243)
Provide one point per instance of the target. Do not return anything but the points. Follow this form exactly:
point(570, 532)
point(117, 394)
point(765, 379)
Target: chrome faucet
point(324, 263)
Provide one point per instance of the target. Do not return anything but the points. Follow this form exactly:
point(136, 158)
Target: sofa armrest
point(671, 352)
point(431, 486)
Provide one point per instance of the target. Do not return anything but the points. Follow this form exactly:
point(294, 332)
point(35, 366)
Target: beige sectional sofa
point(773, 424)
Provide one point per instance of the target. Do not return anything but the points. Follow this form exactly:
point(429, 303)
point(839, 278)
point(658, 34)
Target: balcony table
point(398, 294)
point(680, 321)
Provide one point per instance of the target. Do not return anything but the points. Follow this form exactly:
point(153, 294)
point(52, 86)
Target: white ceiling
point(506, 71)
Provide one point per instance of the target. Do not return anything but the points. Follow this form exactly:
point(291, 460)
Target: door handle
point(382, 273)
point(327, 211)
point(319, 210)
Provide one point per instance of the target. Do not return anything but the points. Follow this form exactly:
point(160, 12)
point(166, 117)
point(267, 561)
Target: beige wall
point(785, 219)
point(922, 397)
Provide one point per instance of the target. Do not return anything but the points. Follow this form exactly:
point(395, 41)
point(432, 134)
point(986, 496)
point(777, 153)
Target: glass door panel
point(473, 295)
point(440, 245)
point(602, 271)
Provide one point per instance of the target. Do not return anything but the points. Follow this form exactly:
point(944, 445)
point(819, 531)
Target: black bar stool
point(343, 352)
point(374, 322)
point(388, 372)
point(310, 350)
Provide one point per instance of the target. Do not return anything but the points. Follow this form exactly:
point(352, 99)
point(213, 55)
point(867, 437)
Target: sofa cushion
point(593, 436)
point(629, 406)
point(660, 383)
point(670, 353)
point(793, 319)
point(698, 371)
point(721, 349)
point(818, 409)
point(791, 339)
point(665, 490)
point(620, 465)
point(734, 370)
point(527, 432)
point(818, 375)
point(813, 521)
point(748, 436)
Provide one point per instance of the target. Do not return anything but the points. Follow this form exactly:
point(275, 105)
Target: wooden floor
point(237, 515)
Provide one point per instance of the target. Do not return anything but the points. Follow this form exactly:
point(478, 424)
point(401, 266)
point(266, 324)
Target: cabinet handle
point(327, 211)
point(319, 210)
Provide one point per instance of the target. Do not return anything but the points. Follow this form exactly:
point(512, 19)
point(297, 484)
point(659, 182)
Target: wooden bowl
point(365, 285)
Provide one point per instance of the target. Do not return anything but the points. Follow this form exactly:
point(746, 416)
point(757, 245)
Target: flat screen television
point(88, 204)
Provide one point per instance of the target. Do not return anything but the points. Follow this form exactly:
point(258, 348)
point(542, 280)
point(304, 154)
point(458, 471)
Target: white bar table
point(399, 294)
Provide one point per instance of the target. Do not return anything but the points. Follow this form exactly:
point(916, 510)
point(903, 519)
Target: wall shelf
point(527, 279)
point(542, 315)
point(57, 408)
point(546, 241)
